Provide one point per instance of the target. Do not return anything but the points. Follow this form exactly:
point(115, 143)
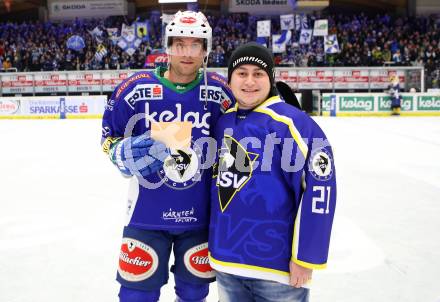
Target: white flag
point(331, 44)
point(128, 32)
point(287, 22)
point(320, 28)
point(301, 22)
point(263, 28)
point(113, 34)
point(96, 33)
point(128, 41)
point(306, 36)
point(298, 22)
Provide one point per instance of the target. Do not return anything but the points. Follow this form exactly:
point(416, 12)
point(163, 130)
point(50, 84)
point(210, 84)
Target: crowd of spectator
point(364, 41)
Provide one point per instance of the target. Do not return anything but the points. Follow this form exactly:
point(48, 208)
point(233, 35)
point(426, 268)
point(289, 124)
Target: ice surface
point(62, 207)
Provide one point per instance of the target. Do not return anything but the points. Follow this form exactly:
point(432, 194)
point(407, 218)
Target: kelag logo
point(326, 103)
point(358, 103)
point(428, 103)
point(385, 103)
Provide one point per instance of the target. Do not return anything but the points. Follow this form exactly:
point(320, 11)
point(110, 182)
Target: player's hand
point(138, 155)
point(299, 275)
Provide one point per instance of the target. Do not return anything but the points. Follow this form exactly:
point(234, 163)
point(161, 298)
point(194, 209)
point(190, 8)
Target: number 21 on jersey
point(321, 203)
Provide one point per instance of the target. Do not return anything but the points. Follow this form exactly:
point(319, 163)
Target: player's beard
point(180, 71)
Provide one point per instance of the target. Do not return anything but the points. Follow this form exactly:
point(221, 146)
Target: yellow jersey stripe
point(235, 108)
point(310, 265)
point(293, 130)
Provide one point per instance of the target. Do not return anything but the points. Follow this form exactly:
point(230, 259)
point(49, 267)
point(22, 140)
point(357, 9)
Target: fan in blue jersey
point(273, 191)
point(168, 202)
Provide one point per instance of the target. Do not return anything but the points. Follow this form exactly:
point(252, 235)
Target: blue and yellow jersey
point(273, 193)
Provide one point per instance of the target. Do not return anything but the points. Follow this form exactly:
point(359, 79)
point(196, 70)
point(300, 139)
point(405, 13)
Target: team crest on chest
point(233, 171)
point(182, 168)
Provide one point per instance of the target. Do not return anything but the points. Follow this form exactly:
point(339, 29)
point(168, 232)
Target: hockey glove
point(138, 155)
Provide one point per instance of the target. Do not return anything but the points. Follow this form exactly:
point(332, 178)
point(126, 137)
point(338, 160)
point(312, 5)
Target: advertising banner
point(65, 10)
point(50, 82)
point(22, 83)
point(156, 59)
point(52, 107)
point(84, 82)
point(351, 79)
point(112, 79)
point(379, 104)
point(259, 6)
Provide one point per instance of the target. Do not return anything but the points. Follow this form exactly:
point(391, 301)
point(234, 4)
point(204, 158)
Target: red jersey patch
point(197, 261)
point(137, 261)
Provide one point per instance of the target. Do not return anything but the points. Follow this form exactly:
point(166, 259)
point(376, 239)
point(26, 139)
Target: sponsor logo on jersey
point(110, 104)
point(225, 102)
point(320, 165)
point(233, 171)
point(179, 216)
point(144, 92)
point(219, 79)
point(197, 262)
point(213, 93)
point(198, 119)
point(181, 168)
point(130, 80)
point(137, 260)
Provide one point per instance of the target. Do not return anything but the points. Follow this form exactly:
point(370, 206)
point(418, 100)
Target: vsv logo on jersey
point(180, 161)
point(199, 120)
point(250, 237)
point(213, 93)
point(181, 168)
point(143, 92)
point(233, 175)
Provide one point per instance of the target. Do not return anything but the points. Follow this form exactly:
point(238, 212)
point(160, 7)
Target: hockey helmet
point(189, 24)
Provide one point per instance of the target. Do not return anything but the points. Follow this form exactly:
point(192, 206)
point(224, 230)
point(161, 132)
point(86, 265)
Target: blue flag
point(76, 43)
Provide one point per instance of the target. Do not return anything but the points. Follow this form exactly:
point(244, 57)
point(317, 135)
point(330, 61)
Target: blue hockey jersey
point(273, 192)
point(177, 196)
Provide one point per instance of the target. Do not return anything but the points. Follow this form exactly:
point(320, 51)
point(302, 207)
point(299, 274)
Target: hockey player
point(168, 202)
point(394, 90)
point(274, 190)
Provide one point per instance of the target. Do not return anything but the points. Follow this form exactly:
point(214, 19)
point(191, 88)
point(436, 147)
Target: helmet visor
point(181, 49)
